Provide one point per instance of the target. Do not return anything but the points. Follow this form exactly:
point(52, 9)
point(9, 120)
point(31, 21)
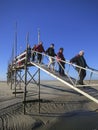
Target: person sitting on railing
point(50, 51)
point(33, 53)
point(39, 49)
point(61, 63)
point(80, 61)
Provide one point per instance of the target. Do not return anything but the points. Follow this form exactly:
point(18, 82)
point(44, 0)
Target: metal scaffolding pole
point(15, 80)
point(25, 67)
point(11, 78)
point(20, 80)
point(39, 87)
point(25, 89)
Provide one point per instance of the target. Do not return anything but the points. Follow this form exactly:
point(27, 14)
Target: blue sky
point(71, 24)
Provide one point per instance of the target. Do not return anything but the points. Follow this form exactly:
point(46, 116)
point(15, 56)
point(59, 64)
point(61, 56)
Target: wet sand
point(60, 108)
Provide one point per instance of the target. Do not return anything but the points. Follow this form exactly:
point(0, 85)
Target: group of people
point(79, 59)
point(38, 49)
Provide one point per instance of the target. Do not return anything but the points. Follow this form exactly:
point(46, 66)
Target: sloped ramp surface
point(92, 91)
point(87, 91)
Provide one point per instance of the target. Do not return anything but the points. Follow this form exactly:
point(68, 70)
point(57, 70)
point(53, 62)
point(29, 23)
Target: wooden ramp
point(87, 91)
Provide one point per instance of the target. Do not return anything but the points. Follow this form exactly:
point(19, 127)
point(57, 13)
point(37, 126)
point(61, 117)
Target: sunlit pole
point(15, 50)
point(38, 35)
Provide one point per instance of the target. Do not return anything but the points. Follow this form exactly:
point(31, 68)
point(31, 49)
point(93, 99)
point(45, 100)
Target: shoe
point(80, 82)
point(61, 74)
point(49, 67)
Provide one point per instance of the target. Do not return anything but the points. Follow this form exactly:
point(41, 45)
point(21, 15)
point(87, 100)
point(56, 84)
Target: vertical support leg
point(20, 80)
point(11, 79)
point(25, 89)
point(39, 88)
point(25, 67)
point(90, 77)
point(15, 80)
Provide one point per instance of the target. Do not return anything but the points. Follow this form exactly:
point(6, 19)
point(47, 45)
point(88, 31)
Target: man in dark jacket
point(80, 61)
point(33, 52)
point(28, 52)
point(50, 51)
point(61, 59)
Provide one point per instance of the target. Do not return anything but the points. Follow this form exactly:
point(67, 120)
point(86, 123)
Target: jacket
point(50, 51)
point(79, 60)
point(60, 56)
point(40, 48)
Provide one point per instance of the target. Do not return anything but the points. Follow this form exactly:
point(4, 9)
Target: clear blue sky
point(72, 24)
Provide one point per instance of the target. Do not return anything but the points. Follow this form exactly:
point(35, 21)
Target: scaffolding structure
point(18, 73)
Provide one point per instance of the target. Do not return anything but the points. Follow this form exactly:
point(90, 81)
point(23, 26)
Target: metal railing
point(70, 79)
point(69, 69)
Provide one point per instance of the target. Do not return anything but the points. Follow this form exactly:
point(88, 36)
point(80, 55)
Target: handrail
point(19, 59)
point(68, 62)
point(19, 56)
point(67, 80)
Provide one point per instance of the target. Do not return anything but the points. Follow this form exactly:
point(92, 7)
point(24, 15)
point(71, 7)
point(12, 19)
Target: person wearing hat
point(61, 61)
point(80, 61)
point(51, 52)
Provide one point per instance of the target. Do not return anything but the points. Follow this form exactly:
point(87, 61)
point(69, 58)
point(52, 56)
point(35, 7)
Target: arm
point(47, 51)
point(74, 59)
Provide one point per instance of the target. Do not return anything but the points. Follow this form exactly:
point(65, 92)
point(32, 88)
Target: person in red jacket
point(61, 59)
point(39, 49)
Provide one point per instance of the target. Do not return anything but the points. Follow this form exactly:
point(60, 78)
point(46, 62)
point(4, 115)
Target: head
point(61, 50)
point(28, 45)
point(52, 45)
point(40, 43)
point(81, 53)
point(34, 45)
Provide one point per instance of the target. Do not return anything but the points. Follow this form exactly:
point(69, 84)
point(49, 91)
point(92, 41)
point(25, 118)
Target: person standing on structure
point(50, 51)
point(40, 49)
point(61, 61)
point(80, 61)
point(28, 52)
point(33, 52)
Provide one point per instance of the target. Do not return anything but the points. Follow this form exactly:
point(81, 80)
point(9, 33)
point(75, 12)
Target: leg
point(82, 76)
point(50, 61)
point(40, 58)
point(37, 57)
point(33, 57)
point(62, 68)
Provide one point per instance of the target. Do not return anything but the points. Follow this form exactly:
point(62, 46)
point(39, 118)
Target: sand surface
point(60, 108)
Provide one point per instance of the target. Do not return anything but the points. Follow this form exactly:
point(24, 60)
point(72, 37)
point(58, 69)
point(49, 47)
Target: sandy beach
point(60, 108)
